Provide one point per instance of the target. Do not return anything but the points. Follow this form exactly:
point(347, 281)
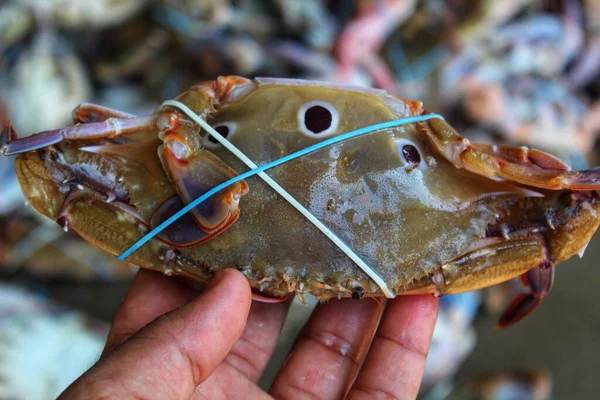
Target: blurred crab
point(483, 16)
point(47, 71)
point(27, 364)
point(517, 384)
point(511, 84)
point(84, 14)
point(361, 40)
point(311, 19)
point(494, 213)
point(15, 23)
point(587, 65)
point(205, 18)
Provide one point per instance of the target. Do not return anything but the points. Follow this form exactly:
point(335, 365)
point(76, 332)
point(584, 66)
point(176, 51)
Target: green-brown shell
point(408, 222)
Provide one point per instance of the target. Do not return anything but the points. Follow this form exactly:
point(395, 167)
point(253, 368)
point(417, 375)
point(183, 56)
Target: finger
point(228, 383)
point(176, 352)
point(252, 351)
point(396, 360)
point(151, 295)
point(236, 377)
point(329, 350)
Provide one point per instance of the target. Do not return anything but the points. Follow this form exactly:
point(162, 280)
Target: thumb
point(176, 352)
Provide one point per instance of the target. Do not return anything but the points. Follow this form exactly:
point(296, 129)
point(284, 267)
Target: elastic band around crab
point(256, 170)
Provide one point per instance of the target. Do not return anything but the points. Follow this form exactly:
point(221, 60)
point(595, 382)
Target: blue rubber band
point(272, 164)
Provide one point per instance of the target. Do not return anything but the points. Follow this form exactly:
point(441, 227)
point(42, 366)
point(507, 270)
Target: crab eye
point(225, 129)
point(318, 119)
point(410, 153)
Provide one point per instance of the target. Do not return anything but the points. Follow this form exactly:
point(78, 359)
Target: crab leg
point(519, 164)
point(90, 112)
point(539, 281)
point(110, 128)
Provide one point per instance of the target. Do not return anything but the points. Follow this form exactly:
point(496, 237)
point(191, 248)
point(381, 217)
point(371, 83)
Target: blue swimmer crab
point(428, 210)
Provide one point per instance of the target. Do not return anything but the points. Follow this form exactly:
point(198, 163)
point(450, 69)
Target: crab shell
point(426, 209)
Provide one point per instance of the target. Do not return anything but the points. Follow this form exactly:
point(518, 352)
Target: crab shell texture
point(426, 209)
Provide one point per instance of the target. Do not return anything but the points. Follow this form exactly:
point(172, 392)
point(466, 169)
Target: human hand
point(168, 342)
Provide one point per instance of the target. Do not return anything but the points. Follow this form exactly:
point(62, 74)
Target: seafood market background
point(516, 71)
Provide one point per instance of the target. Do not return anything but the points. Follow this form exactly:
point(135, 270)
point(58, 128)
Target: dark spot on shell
point(358, 293)
point(223, 131)
point(411, 154)
point(318, 119)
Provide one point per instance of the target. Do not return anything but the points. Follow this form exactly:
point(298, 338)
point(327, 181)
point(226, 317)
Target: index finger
point(396, 361)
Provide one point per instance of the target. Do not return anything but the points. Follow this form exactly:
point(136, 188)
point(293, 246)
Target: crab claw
point(518, 164)
point(194, 170)
point(196, 176)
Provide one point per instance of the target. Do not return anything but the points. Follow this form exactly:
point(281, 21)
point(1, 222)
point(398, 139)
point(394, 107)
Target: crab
point(429, 211)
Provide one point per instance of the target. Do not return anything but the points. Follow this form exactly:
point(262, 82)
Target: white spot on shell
point(231, 127)
point(400, 143)
point(335, 120)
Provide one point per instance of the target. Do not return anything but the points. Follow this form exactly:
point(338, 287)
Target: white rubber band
point(283, 193)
